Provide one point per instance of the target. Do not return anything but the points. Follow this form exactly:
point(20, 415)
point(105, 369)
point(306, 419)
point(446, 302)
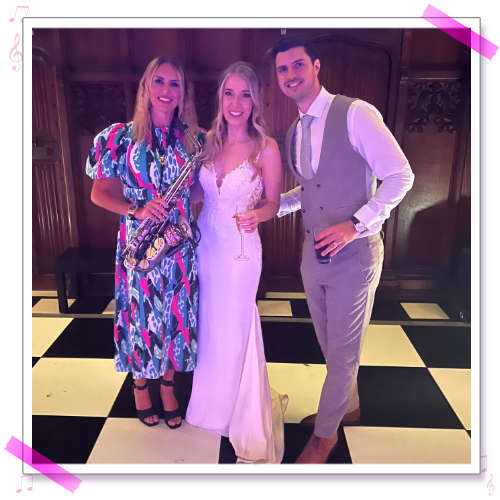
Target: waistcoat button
point(318, 185)
point(302, 188)
point(321, 208)
point(308, 231)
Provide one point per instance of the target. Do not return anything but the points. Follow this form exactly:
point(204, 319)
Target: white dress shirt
point(369, 137)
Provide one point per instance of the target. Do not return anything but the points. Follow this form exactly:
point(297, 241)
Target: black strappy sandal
point(170, 414)
point(148, 412)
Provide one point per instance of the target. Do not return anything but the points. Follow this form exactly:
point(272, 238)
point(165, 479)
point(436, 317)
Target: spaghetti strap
point(260, 152)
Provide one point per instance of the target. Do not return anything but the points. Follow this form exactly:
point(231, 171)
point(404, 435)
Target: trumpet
point(152, 239)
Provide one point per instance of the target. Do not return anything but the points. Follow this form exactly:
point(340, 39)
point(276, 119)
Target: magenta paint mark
point(42, 464)
point(180, 320)
point(171, 355)
point(182, 267)
point(180, 206)
point(125, 320)
point(99, 170)
point(179, 158)
point(137, 174)
point(143, 283)
point(137, 360)
point(460, 32)
point(112, 144)
point(115, 332)
point(145, 336)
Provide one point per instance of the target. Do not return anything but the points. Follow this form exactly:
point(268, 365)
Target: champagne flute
point(240, 209)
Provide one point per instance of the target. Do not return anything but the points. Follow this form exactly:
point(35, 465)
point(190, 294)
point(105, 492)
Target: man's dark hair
point(289, 42)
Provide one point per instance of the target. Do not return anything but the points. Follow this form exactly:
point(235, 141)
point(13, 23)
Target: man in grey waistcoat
point(337, 148)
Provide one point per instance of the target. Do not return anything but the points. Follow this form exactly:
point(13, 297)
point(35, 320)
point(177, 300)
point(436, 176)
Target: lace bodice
point(240, 186)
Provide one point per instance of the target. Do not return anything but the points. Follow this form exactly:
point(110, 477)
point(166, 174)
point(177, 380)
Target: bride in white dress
point(240, 173)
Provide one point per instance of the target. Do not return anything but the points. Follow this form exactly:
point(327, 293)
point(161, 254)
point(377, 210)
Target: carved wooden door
point(53, 226)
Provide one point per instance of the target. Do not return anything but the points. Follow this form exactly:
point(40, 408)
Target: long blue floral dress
point(155, 322)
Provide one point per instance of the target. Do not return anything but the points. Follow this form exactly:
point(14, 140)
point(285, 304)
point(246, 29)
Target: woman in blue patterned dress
point(132, 164)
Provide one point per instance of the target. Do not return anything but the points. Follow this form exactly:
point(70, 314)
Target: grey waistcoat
point(338, 189)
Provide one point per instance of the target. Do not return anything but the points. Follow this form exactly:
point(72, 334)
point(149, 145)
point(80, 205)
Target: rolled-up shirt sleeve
point(371, 138)
point(290, 202)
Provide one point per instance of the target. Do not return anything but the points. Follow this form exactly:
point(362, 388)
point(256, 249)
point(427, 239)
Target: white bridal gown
point(231, 393)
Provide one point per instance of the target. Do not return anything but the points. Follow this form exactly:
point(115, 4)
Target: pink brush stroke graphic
point(460, 32)
point(43, 464)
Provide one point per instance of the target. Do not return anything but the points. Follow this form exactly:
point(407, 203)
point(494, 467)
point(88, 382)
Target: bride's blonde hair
point(217, 134)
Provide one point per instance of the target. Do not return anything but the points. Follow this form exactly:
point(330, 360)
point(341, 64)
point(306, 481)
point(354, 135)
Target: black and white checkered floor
point(414, 385)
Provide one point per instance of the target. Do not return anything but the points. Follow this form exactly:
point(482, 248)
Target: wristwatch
point(358, 225)
point(131, 211)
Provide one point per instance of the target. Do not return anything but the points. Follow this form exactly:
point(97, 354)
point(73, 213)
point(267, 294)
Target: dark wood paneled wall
point(418, 79)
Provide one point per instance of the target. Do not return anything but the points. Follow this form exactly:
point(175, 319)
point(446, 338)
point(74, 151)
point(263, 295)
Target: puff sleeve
point(103, 161)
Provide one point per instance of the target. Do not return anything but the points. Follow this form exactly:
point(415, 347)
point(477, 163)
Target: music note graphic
point(29, 478)
point(15, 55)
point(490, 486)
point(20, 7)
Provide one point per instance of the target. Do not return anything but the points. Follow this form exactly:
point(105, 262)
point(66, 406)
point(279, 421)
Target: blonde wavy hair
point(184, 114)
point(217, 135)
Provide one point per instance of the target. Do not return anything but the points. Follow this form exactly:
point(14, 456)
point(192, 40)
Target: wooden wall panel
point(51, 220)
point(48, 217)
point(95, 50)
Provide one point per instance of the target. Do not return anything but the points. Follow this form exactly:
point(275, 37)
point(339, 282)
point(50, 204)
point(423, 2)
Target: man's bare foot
point(169, 402)
point(143, 401)
point(317, 450)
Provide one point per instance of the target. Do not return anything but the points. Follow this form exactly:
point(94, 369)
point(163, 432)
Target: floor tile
point(44, 331)
point(89, 305)
point(457, 311)
point(34, 361)
point(75, 387)
point(424, 310)
point(64, 439)
point(291, 343)
point(296, 437)
point(128, 441)
point(389, 445)
point(403, 397)
point(49, 306)
point(455, 385)
point(84, 338)
point(226, 452)
point(34, 300)
point(442, 346)
point(285, 295)
point(302, 384)
point(388, 311)
point(44, 293)
point(388, 345)
point(110, 308)
point(274, 308)
point(300, 308)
